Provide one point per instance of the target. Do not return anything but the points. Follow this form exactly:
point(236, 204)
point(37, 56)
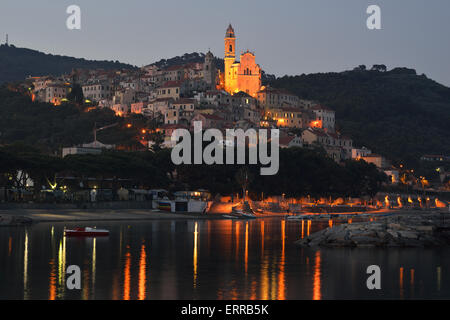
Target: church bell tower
point(230, 57)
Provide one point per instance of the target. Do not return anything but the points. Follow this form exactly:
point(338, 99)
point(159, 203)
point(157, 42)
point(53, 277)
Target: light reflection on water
point(209, 259)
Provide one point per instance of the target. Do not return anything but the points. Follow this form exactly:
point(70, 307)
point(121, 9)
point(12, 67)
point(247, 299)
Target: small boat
point(230, 216)
point(86, 232)
point(246, 215)
point(239, 215)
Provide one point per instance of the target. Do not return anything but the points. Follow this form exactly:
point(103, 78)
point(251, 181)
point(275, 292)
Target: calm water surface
point(216, 259)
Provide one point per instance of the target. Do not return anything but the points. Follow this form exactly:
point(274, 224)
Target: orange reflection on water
point(246, 248)
point(236, 236)
point(85, 290)
point(281, 275)
point(52, 284)
point(115, 286)
point(142, 273)
point(262, 238)
point(303, 229)
point(264, 280)
point(401, 282)
point(9, 246)
point(126, 278)
point(195, 254)
point(317, 295)
point(438, 272)
point(308, 229)
point(253, 290)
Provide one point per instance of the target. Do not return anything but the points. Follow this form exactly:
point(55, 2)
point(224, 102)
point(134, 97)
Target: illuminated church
point(243, 75)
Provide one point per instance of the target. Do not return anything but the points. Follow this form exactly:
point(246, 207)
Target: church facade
point(243, 75)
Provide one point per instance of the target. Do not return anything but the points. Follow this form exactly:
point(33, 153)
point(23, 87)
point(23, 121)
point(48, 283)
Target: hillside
point(50, 128)
point(397, 113)
point(18, 63)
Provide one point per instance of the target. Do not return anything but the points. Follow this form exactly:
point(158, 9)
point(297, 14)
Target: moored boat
point(86, 232)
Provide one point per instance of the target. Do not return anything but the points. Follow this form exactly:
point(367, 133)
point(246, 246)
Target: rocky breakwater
point(11, 220)
point(404, 230)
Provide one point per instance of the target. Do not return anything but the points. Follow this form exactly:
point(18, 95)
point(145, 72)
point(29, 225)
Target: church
point(243, 75)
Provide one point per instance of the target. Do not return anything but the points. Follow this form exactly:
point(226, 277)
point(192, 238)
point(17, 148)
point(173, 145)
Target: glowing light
point(317, 295)
point(439, 204)
point(281, 275)
point(52, 284)
point(262, 237)
point(303, 229)
point(246, 248)
point(127, 279)
point(401, 282)
point(25, 265)
point(94, 259)
point(195, 254)
point(142, 274)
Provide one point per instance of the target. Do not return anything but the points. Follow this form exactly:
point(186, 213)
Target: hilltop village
point(176, 96)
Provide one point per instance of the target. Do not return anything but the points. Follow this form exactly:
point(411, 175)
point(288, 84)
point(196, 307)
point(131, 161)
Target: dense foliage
point(396, 113)
point(18, 63)
point(302, 172)
point(51, 128)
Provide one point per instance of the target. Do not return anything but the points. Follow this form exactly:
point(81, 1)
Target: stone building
point(240, 76)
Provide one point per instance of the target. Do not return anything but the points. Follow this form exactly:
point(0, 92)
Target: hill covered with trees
point(396, 113)
point(18, 63)
point(51, 128)
point(302, 172)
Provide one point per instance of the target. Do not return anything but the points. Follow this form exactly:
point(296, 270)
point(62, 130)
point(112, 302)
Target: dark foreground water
point(217, 259)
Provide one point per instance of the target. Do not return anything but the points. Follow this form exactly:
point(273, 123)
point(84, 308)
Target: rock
point(359, 240)
point(338, 236)
point(427, 229)
point(354, 226)
point(396, 226)
point(408, 234)
point(393, 233)
point(404, 230)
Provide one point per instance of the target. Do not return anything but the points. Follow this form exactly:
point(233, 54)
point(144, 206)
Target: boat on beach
point(86, 232)
point(239, 214)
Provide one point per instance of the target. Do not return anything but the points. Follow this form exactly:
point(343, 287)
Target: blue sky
point(288, 36)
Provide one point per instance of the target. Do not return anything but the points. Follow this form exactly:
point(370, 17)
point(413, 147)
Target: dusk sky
point(287, 36)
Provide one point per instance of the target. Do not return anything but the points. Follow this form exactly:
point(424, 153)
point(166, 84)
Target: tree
point(76, 94)
point(243, 179)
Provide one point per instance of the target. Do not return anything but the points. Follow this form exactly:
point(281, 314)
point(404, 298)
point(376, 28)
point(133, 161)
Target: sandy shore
point(35, 216)
point(26, 216)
